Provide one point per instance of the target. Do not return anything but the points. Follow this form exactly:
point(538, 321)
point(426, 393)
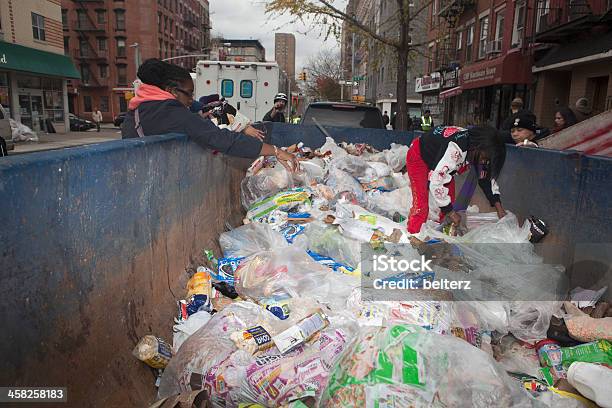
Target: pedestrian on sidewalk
point(386, 119)
point(96, 115)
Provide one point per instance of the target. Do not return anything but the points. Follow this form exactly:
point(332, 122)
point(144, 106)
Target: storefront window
point(5, 98)
point(27, 81)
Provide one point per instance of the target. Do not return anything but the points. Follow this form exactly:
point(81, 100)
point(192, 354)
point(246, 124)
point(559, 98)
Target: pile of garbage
point(280, 318)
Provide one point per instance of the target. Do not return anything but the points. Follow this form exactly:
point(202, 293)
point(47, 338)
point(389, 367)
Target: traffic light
point(302, 76)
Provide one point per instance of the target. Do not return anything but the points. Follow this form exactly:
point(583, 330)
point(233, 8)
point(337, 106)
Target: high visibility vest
point(426, 123)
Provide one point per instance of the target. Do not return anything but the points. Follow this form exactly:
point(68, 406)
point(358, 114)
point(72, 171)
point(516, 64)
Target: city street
point(52, 141)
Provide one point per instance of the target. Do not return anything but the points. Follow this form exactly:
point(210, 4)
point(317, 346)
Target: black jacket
point(170, 116)
point(444, 150)
point(279, 117)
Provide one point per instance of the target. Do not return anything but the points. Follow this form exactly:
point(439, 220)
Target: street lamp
point(136, 54)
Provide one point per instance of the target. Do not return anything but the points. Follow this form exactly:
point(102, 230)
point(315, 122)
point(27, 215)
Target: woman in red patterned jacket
point(436, 157)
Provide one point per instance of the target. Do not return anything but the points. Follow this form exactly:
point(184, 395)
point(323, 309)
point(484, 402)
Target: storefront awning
point(19, 58)
point(512, 68)
point(449, 93)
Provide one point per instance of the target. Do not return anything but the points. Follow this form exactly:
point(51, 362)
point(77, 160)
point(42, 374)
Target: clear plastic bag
point(291, 272)
point(301, 373)
point(342, 182)
point(326, 240)
point(331, 146)
point(186, 328)
point(250, 239)
point(396, 156)
point(209, 346)
point(266, 182)
point(406, 366)
point(529, 321)
point(356, 167)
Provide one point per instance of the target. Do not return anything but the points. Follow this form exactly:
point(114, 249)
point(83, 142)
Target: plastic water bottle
point(593, 381)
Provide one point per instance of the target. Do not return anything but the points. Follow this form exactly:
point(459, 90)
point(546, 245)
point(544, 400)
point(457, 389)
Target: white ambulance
point(250, 87)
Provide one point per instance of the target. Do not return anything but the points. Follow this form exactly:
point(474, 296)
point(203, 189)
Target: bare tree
point(395, 35)
point(324, 72)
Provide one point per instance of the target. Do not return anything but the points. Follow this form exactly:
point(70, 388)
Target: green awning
point(19, 58)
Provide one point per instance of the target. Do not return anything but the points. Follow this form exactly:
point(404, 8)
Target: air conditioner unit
point(494, 47)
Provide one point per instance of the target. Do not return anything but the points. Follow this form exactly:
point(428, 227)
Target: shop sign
point(3, 59)
point(450, 79)
point(431, 102)
point(484, 74)
point(428, 82)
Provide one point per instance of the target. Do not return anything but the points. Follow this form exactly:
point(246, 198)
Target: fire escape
point(447, 56)
point(88, 54)
point(555, 24)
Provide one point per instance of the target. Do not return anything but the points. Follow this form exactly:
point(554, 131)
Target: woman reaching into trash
point(161, 105)
point(435, 158)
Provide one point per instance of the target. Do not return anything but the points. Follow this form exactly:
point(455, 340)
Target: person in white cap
point(276, 114)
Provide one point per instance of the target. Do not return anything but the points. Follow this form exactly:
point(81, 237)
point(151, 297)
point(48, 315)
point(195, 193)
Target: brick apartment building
point(573, 57)
point(480, 59)
point(224, 49)
point(106, 39)
point(284, 54)
point(374, 67)
point(33, 68)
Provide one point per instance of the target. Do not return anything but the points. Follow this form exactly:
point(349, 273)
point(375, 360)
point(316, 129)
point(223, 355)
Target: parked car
point(118, 120)
point(343, 114)
point(79, 124)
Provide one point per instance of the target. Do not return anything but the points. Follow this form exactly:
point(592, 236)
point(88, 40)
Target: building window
point(38, 27)
point(246, 89)
point(121, 47)
point(469, 42)
point(484, 36)
point(102, 44)
point(83, 48)
point(104, 104)
point(499, 30)
point(65, 18)
point(542, 20)
point(123, 107)
point(85, 74)
point(87, 103)
point(121, 75)
point(81, 19)
point(66, 45)
point(430, 59)
point(159, 25)
point(103, 70)
point(227, 88)
point(120, 20)
point(101, 16)
point(519, 24)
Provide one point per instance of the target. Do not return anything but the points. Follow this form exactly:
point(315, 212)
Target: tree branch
point(354, 22)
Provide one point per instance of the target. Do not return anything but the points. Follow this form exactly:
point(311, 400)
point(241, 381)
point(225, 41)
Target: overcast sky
point(246, 19)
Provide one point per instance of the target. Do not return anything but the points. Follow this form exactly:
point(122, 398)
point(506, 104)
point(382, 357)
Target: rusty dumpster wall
point(94, 242)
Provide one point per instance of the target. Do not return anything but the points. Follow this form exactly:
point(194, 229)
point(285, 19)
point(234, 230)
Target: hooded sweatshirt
point(161, 113)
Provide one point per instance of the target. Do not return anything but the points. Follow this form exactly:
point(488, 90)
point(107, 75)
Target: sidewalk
point(51, 141)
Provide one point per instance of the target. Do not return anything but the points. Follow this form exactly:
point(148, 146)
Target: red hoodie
point(146, 93)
